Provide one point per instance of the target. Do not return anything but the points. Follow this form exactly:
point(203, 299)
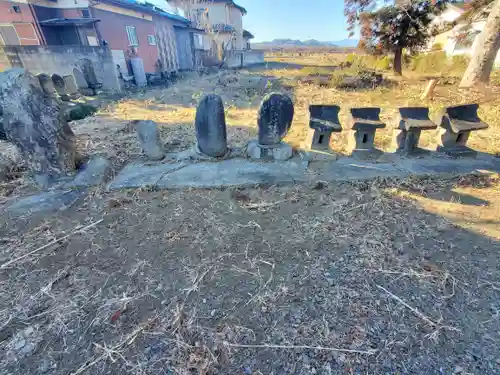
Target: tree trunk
point(398, 61)
point(485, 51)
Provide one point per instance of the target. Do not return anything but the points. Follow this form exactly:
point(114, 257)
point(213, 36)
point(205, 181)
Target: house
point(221, 19)
point(458, 37)
point(164, 41)
point(247, 36)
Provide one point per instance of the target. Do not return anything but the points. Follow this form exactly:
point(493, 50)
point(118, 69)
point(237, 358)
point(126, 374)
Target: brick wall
point(112, 29)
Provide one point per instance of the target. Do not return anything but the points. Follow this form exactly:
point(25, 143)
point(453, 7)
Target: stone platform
point(244, 172)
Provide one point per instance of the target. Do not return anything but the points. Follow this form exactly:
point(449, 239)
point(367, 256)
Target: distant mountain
point(290, 43)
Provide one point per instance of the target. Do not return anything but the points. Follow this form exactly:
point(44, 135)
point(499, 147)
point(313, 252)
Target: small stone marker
point(409, 126)
point(71, 87)
point(34, 123)
point(456, 124)
point(324, 120)
point(47, 85)
point(210, 124)
point(363, 123)
point(274, 120)
point(149, 139)
point(60, 87)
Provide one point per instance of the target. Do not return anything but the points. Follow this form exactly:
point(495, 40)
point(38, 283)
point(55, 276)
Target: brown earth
point(347, 278)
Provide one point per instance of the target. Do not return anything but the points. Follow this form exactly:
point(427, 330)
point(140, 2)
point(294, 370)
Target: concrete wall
point(61, 60)
point(252, 57)
point(240, 59)
point(112, 29)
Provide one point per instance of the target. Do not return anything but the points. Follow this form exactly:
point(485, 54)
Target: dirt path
point(176, 282)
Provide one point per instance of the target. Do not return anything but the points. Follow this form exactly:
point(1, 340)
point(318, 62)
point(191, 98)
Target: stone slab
point(92, 173)
point(50, 201)
point(138, 175)
point(434, 166)
point(234, 172)
point(348, 169)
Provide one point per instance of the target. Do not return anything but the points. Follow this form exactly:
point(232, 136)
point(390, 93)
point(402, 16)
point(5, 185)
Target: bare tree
point(485, 51)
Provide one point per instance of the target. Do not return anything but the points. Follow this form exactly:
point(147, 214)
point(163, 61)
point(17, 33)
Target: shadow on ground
point(356, 278)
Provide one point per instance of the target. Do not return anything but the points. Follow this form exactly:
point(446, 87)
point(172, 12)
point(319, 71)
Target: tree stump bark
point(34, 122)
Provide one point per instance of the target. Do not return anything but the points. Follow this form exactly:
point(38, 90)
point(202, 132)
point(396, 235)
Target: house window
point(151, 40)
point(85, 13)
point(16, 8)
point(132, 36)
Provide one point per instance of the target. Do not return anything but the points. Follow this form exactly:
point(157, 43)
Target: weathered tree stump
point(34, 123)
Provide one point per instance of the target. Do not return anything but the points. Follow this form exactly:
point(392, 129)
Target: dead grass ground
point(348, 278)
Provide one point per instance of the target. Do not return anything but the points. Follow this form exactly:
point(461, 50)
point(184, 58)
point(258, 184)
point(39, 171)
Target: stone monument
point(274, 120)
point(324, 120)
point(456, 124)
point(210, 124)
point(363, 124)
point(149, 139)
point(408, 128)
point(34, 123)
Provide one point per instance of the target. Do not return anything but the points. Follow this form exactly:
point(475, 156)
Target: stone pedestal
point(456, 124)
point(149, 139)
point(280, 151)
point(324, 120)
point(363, 124)
point(34, 123)
point(210, 126)
point(408, 128)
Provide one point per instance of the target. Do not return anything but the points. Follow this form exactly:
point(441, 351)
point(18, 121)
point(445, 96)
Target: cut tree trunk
point(485, 51)
point(398, 62)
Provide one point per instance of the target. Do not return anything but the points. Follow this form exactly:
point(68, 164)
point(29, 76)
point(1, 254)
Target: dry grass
point(280, 279)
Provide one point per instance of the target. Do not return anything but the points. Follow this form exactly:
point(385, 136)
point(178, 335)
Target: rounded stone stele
point(275, 118)
point(210, 126)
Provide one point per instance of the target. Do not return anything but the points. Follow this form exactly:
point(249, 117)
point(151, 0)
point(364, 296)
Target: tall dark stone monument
point(210, 126)
point(275, 118)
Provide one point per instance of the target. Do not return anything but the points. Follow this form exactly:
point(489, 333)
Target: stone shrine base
point(244, 172)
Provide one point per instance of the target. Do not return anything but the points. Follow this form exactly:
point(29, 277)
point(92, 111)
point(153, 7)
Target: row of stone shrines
point(276, 115)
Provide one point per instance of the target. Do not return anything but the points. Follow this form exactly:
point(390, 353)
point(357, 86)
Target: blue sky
point(295, 19)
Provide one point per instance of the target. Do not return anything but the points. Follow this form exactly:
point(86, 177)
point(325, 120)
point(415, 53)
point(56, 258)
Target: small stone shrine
point(409, 126)
point(456, 124)
point(274, 120)
point(363, 124)
point(210, 124)
point(324, 120)
point(34, 122)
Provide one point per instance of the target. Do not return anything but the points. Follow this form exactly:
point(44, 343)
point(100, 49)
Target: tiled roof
point(247, 34)
point(242, 10)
